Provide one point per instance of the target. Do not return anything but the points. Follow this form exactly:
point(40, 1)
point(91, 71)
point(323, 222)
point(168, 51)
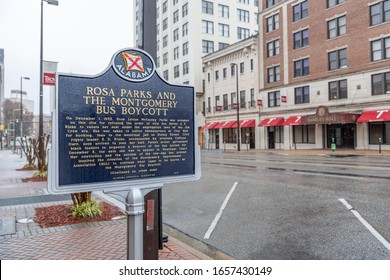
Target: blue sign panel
point(124, 127)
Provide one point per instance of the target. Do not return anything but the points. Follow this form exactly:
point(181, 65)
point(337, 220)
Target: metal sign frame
point(54, 164)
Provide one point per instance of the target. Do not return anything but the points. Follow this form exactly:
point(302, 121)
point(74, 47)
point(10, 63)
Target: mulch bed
point(59, 215)
point(34, 179)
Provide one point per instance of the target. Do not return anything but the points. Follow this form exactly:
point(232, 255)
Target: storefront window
point(230, 135)
point(379, 130)
point(304, 134)
point(279, 134)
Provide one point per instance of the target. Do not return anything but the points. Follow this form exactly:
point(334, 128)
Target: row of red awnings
point(230, 124)
point(368, 116)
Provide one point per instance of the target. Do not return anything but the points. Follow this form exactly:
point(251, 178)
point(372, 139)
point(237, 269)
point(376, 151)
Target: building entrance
point(343, 135)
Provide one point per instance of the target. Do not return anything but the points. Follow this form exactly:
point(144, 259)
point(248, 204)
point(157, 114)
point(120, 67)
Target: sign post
point(126, 132)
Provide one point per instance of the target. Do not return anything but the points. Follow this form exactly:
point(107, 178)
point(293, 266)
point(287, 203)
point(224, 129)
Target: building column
point(319, 136)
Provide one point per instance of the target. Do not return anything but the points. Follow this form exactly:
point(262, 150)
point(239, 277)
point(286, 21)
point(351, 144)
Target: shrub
point(87, 209)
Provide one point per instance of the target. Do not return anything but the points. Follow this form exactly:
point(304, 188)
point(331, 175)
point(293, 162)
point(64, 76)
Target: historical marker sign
point(124, 128)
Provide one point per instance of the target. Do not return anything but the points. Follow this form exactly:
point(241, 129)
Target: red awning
point(225, 124)
point(210, 125)
point(375, 116)
point(272, 122)
point(245, 123)
point(294, 120)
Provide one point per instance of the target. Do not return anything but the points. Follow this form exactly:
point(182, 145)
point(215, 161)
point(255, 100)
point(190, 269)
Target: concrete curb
point(198, 247)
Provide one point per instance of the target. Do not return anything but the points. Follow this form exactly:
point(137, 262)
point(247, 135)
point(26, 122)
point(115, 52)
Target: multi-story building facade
point(226, 72)
point(188, 30)
point(323, 74)
point(326, 74)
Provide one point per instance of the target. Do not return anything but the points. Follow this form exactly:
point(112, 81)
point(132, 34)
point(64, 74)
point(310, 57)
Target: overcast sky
point(81, 35)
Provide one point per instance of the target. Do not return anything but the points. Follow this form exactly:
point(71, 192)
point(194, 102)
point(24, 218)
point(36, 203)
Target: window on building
point(380, 12)
point(256, 18)
point(165, 58)
point(229, 135)
point(300, 11)
point(207, 46)
point(176, 34)
point(242, 68)
point(242, 99)
point(208, 77)
point(176, 71)
point(166, 75)
point(243, 15)
point(271, 3)
point(252, 102)
point(332, 3)
point(337, 27)
point(176, 53)
point(304, 134)
point(274, 99)
point(185, 48)
point(244, 1)
point(217, 102)
point(242, 33)
point(208, 27)
point(233, 99)
point(223, 11)
point(301, 39)
point(184, 10)
point(380, 49)
point(165, 7)
point(222, 46)
point(233, 70)
point(273, 23)
point(175, 16)
point(216, 75)
point(302, 95)
point(185, 29)
point(338, 90)
point(224, 73)
point(273, 74)
point(337, 59)
point(379, 130)
point(207, 7)
point(223, 30)
point(273, 48)
point(165, 24)
point(252, 64)
point(185, 68)
point(301, 67)
point(225, 102)
point(165, 41)
point(209, 104)
point(380, 84)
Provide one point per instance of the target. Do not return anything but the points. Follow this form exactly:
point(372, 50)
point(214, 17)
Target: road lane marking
point(366, 224)
point(219, 214)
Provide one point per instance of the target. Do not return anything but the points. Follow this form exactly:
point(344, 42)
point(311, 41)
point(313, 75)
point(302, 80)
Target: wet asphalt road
point(286, 206)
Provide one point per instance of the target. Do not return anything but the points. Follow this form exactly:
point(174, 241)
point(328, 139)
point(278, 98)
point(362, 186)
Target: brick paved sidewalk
point(89, 241)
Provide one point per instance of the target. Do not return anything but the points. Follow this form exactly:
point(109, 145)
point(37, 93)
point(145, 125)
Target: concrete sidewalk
point(87, 241)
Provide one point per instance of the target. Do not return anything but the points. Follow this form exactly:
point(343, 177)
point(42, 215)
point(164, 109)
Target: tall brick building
point(324, 74)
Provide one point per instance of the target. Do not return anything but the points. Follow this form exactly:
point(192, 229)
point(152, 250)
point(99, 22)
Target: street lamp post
point(21, 109)
point(40, 136)
point(238, 108)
